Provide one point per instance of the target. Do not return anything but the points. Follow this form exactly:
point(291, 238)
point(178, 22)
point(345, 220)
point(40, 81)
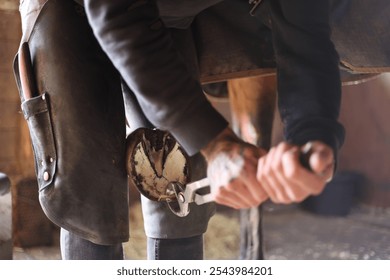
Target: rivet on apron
point(46, 176)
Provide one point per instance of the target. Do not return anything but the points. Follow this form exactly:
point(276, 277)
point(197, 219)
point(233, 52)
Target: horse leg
point(252, 103)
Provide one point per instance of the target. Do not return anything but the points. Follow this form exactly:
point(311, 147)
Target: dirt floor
point(290, 233)
point(221, 240)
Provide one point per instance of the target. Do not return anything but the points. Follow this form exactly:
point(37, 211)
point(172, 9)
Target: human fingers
point(321, 159)
point(255, 190)
point(230, 198)
point(241, 190)
point(269, 173)
point(262, 172)
point(303, 180)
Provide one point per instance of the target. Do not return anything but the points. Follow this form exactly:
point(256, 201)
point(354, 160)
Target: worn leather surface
point(359, 31)
point(78, 128)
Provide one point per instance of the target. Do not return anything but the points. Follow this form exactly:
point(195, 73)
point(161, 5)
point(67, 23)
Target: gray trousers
point(75, 248)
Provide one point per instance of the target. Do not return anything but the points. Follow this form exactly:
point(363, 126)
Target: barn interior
point(350, 220)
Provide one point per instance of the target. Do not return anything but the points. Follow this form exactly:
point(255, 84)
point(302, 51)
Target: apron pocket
point(36, 112)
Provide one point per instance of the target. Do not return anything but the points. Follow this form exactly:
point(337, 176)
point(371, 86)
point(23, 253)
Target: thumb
point(321, 159)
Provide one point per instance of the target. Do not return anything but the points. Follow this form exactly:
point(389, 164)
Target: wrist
point(221, 142)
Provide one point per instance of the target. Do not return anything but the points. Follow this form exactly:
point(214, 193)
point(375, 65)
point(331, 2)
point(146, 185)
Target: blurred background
point(350, 220)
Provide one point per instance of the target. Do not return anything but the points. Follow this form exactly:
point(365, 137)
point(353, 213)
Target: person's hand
point(232, 168)
point(286, 180)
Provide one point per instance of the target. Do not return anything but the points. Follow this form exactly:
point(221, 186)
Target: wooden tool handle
point(27, 77)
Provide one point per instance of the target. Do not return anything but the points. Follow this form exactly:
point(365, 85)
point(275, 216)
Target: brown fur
point(252, 102)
